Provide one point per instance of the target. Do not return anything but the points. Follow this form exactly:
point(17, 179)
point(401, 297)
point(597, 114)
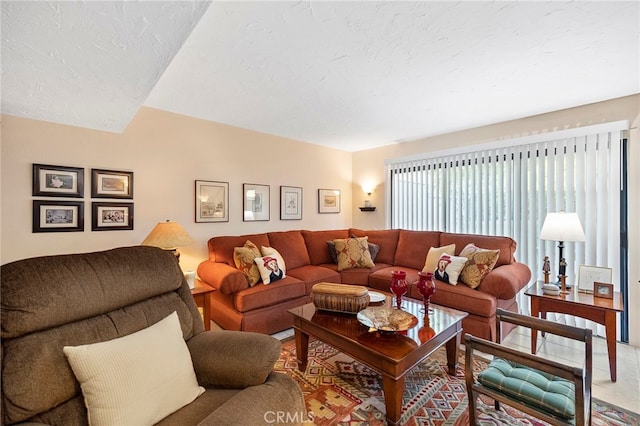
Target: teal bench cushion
point(536, 388)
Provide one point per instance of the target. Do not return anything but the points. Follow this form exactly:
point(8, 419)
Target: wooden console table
point(584, 305)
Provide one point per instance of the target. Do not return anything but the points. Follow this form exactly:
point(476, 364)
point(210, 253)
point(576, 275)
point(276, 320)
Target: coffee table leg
point(452, 353)
point(302, 349)
point(393, 390)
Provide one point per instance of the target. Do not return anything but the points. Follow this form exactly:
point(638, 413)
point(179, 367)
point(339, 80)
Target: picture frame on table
point(60, 216)
point(255, 203)
point(588, 275)
point(58, 181)
point(329, 201)
point(212, 201)
point(290, 203)
point(111, 184)
point(603, 290)
point(111, 216)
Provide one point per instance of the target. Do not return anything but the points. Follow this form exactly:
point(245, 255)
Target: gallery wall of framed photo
point(52, 213)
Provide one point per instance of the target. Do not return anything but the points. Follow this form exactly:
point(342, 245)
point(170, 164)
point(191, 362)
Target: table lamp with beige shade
point(561, 227)
point(168, 236)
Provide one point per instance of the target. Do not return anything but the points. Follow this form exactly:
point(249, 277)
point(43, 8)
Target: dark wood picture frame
point(212, 201)
point(603, 290)
point(60, 216)
point(290, 203)
point(255, 202)
point(58, 181)
point(111, 216)
point(329, 200)
point(111, 184)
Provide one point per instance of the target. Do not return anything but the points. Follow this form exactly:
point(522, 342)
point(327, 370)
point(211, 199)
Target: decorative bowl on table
point(387, 319)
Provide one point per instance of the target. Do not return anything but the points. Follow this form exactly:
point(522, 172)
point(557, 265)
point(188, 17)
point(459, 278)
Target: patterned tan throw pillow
point(244, 259)
point(353, 253)
point(480, 263)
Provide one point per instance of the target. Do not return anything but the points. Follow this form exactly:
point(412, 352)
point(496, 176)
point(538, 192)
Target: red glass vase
point(399, 286)
point(426, 287)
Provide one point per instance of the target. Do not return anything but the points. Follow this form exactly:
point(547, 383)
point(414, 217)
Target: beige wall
point(167, 153)
point(368, 166)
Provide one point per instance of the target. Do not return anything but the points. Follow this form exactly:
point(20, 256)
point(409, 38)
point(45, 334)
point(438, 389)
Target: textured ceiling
point(350, 75)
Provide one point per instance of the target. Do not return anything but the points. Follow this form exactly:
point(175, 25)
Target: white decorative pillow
point(448, 268)
point(270, 251)
point(137, 379)
point(270, 269)
point(431, 262)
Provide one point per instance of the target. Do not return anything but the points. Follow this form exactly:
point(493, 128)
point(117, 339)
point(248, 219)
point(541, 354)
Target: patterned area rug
point(341, 391)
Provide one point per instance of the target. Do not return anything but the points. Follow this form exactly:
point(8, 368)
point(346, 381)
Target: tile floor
point(625, 392)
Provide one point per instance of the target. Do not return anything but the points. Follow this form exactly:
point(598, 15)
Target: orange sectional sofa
point(263, 308)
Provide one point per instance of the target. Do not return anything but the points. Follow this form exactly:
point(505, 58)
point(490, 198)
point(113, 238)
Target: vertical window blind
point(509, 187)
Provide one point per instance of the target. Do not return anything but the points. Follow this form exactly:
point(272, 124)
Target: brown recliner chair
point(71, 300)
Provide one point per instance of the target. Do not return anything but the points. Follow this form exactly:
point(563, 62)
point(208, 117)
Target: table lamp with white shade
point(561, 227)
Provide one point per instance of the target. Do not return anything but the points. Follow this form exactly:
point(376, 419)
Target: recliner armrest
point(233, 359)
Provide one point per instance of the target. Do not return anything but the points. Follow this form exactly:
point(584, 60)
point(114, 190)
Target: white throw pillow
point(453, 266)
point(270, 251)
point(137, 379)
point(431, 262)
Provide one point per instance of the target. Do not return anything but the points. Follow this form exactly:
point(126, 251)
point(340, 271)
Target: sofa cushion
point(270, 270)
point(136, 379)
point(387, 239)
point(316, 243)
point(353, 253)
point(413, 247)
point(312, 274)
point(480, 263)
point(431, 262)
point(291, 246)
point(506, 245)
point(464, 298)
point(244, 259)
point(221, 248)
point(262, 295)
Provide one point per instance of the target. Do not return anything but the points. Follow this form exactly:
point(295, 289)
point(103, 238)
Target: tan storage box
point(340, 297)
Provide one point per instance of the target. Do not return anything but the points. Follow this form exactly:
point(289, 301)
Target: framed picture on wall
point(111, 216)
point(111, 184)
point(328, 201)
point(58, 181)
point(290, 203)
point(255, 202)
point(61, 216)
point(212, 201)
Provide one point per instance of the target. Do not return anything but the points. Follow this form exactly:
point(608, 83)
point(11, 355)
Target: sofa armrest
point(233, 359)
point(224, 278)
point(505, 281)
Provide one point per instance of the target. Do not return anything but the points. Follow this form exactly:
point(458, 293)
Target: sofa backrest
point(506, 245)
point(387, 239)
point(316, 242)
point(69, 300)
point(413, 247)
point(290, 244)
point(221, 248)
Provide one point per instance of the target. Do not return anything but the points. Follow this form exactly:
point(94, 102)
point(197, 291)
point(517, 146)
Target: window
point(508, 188)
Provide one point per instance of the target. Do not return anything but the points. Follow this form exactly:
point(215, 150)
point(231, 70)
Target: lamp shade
point(562, 226)
point(167, 235)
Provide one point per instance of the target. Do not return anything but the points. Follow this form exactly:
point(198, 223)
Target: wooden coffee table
point(392, 354)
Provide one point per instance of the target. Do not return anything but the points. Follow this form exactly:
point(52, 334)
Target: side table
point(584, 305)
point(202, 296)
